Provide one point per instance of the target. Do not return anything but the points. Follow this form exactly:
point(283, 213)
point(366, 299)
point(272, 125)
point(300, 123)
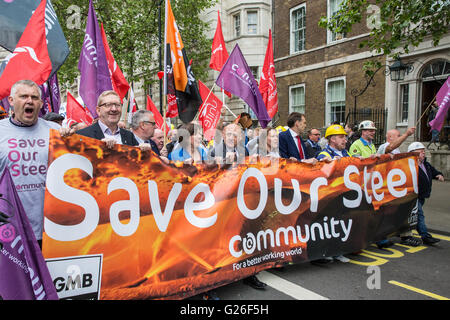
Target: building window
point(404, 103)
point(297, 98)
point(237, 25)
point(333, 8)
point(255, 72)
point(335, 100)
point(252, 22)
point(298, 28)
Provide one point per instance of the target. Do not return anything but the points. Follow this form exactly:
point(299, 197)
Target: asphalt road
point(396, 273)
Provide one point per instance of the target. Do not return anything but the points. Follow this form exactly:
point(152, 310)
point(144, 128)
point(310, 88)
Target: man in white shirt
point(393, 142)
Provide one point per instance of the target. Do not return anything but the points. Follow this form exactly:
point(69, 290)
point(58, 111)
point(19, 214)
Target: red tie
point(300, 149)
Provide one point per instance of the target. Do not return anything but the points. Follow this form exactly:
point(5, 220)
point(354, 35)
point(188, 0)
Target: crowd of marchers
point(232, 143)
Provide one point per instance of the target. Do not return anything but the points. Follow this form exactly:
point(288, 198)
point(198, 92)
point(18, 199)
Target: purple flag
point(443, 101)
point(237, 78)
point(54, 93)
point(23, 272)
point(93, 65)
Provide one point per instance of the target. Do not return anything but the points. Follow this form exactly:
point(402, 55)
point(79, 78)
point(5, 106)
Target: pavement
point(437, 208)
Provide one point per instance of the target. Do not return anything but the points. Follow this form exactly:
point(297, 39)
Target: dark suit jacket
point(288, 148)
point(94, 131)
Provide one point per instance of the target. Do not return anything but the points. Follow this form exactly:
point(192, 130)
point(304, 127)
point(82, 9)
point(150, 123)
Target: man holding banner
point(25, 138)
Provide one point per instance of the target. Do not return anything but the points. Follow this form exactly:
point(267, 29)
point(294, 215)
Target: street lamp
point(398, 70)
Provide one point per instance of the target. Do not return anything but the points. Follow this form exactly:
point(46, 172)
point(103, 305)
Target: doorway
point(429, 91)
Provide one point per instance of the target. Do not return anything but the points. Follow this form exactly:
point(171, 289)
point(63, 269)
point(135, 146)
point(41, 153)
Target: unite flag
point(219, 53)
point(237, 78)
point(76, 112)
point(178, 77)
point(443, 101)
point(268, 85)
point(14, 17)
point(119, 83)
point(209, 111)
point(23, 272)
point(93, 64)
point(159, 120)
point(30, 59)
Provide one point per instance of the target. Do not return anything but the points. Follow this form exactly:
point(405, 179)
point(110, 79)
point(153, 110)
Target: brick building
point(317, 70)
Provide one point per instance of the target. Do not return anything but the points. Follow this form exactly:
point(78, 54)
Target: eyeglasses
point(149, 122)
point(111, 105)
point(316, 134)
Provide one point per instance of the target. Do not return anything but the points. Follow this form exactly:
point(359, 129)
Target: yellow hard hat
point(334, 129)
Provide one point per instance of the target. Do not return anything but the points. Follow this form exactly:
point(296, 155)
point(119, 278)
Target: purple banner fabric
point(237, 78)
point(443, 101)
point(23, 272)
point(54, 93)
point(93, 65)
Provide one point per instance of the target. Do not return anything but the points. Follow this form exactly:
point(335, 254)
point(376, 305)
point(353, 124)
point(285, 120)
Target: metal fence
point(378, 116)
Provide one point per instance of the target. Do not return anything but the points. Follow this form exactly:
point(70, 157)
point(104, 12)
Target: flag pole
point(432, 101)
point(200, 111)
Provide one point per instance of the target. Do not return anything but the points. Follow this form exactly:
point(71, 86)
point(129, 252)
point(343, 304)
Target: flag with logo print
point(23, 272)
point(178, 77)
point(93, 64)
point(30, 59)
point(443, 101)
point(14, 17)
point(237, 78)
point(268, 84)
point(209, 111)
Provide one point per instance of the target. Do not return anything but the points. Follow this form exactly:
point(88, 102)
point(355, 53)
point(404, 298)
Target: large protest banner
point(157, 231)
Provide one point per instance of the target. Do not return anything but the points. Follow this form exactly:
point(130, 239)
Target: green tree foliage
point(395, 25)
point(133, 34)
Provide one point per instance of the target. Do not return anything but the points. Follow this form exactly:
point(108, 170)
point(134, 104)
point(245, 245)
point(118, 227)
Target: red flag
point(30, 59)
point(209, 111)
point(219, 51)
point(268, 85)
point(120, 84)
point(158, 117)
point(172, 107)
point(76, 112)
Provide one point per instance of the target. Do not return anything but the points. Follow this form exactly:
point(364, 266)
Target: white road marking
point(289, 288)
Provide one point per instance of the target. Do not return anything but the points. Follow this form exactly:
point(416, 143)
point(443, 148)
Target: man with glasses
point(312, 144)
point(109, 109)
point(143, 127)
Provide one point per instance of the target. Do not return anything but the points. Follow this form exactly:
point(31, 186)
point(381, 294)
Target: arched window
point(436, 68)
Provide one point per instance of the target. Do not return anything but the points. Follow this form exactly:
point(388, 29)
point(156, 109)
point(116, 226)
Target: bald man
point(394, 140)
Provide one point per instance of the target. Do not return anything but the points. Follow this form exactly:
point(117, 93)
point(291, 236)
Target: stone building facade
point(317, 70)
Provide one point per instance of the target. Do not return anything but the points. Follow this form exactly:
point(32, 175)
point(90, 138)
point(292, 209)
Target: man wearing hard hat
point(426, 175)
point(364, 147)
point(337, 139)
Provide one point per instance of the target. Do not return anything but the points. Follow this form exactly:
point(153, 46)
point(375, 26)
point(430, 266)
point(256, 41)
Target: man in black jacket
point(426, 175)
point(109, 111)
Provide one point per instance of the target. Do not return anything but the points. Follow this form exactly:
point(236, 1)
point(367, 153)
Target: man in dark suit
point(231, 149)
point(290, 142)
point(109, 111)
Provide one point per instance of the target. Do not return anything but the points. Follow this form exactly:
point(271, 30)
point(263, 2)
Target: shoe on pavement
point(430, 240)
point(411, 241)
point(384, 244)
point(341, 258)
point(323, 260)
point(210, 295)
point(254, 282)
